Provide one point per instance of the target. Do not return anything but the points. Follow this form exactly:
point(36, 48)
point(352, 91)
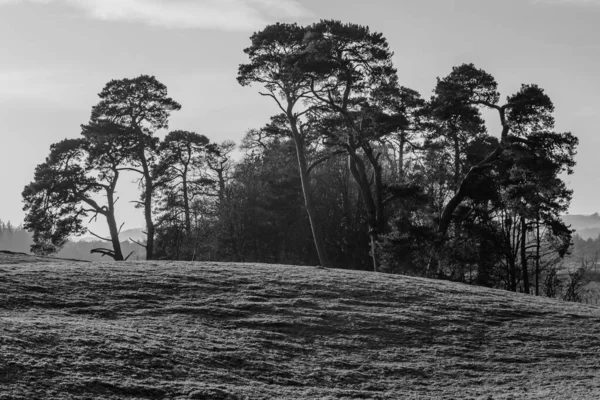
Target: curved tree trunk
point(111, 220)
point(114, 235)
point(524, 254)
point(456, 162)
point(148, 191)
point(459, 196)
point(186, 202)
point(537, 255)
point(378, 187)
point(307, 191)
point(310, 207)
point(109, 213)
point(150, 228)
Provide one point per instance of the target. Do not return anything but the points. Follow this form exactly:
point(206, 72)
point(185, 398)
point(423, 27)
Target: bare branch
point(95, 206)
point(94, 217)
point(276, 100)
point(104, 252)
point(138, 243)
point(130, 169)
point(323, 159)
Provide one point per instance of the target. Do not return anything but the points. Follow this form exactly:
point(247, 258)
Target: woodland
point(354, 170)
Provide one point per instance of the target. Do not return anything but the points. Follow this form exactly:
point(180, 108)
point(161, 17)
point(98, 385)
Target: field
point(176, 330)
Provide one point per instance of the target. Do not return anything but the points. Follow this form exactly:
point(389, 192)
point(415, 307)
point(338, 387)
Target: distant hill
point(17, 239)
point(81, 250)
point(136, 234)
point(586, 226)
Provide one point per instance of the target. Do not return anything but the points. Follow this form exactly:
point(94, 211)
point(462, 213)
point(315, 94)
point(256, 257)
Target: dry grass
point(174, 330)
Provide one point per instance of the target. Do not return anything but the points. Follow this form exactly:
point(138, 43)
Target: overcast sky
point(56, 55)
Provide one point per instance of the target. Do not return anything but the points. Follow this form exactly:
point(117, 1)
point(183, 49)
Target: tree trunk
point(373, 250)
point(221, 186)
point(111, 220)
point(358, 170)
point(401, 155)
point(513, 242)
point(537, 256)
point(456, 163)
point(148, 191)
point(150, 229)
point(378, 188)
point(308, 198)
point(114, 233)
point(483, 267)
point(459, 196)
point(186, 203)
point(524, 254)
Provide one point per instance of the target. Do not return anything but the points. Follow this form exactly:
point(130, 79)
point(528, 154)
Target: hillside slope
point(175, 330)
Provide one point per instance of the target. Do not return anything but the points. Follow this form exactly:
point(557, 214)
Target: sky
point(56, 56)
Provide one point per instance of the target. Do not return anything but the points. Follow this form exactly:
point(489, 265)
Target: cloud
point(208, 14)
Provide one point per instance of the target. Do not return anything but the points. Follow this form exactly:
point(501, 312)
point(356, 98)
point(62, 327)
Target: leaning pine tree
point(65, 189)
point(276, 54)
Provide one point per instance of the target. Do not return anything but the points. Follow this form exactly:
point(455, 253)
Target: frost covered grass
point(177, 330)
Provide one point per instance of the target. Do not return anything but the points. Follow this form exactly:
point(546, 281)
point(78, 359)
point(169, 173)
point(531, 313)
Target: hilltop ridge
point(182, 330)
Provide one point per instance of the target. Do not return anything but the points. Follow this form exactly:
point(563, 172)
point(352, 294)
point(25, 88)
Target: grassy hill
point(176, 330)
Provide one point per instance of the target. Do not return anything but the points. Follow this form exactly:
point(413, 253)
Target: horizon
point(51, 76)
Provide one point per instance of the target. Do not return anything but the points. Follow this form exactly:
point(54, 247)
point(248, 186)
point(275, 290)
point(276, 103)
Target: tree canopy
point(353, 170)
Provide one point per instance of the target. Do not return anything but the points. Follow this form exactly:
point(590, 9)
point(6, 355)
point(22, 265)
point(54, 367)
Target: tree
point(220, 166)
point(405, 102)
point(535, 190)
point(467, 88)
point(275, 54)
point(456, 126)
point(263, 216)
point(184, 158)
point(139, 106)
point(351, 75)
point(67, 182)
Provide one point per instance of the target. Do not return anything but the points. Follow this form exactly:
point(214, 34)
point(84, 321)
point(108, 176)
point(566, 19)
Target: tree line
point(354, 170)
point(14, 238)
